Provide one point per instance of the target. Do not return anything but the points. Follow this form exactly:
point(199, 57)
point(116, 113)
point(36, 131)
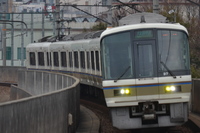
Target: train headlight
point(173, 88)
point(122, 92)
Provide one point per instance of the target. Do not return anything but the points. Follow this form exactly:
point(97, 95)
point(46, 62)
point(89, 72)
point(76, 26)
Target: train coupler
point(149, 114)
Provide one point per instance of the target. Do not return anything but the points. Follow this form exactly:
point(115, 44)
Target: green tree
point(187, 15)
point(100, 26)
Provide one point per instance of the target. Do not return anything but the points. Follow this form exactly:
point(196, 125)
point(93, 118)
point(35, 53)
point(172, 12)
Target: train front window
point(116, 52)
point(173, 50)
point(145, 59)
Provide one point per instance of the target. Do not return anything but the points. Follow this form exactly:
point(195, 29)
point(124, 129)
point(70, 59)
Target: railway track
point(106, 124)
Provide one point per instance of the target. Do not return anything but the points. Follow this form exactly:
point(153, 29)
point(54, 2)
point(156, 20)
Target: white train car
point(146, 74)
point(38, 56)
point(142, 69)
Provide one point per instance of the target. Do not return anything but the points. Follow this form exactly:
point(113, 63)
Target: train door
point(146, 70)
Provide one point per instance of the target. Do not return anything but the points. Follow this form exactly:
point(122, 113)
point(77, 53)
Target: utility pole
point(57, 18)
point(109, 13)
point(4, 6)
point(12, 42)
point(155, 6)
point(43, 24)
point(32, 27)
point(22, 42)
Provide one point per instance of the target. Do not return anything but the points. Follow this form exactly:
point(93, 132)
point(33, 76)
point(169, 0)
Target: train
point(142, 69)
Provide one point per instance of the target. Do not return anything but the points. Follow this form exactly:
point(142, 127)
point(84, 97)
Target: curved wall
point(54, 106)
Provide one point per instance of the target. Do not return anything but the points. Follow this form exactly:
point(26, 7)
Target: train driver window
point(116, 52)
point(173, 50)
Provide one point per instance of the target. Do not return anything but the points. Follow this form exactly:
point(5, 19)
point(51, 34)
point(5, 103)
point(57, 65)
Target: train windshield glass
point(173, 50)
point(117, 56)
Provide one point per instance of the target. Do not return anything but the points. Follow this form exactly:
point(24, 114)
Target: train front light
point(122, 92)
point(125, 91)
point(173, 88)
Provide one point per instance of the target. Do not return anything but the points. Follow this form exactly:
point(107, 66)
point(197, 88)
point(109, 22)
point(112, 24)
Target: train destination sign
point(141, 34)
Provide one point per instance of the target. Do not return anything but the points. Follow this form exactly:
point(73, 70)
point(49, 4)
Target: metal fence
point(53, 108)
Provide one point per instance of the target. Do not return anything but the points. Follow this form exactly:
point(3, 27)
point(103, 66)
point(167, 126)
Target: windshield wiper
point(169, 71)
point(122, 74)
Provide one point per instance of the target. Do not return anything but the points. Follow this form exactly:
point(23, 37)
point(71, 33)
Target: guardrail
point(54, 106)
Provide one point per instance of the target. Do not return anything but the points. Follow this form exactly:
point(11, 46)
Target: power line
point(194, 3)
point(75, 6)
point(132, 7)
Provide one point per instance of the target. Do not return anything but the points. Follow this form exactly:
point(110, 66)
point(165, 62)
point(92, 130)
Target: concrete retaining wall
point(195, 96)
point(9, 74)
point(53, 108)
point(18, 93)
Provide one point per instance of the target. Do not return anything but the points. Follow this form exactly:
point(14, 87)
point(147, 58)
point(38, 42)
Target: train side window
point(55, 59)
point(82, 53)
point(88, 60)
point(63, 59)
point(41, 58)
point(92, 60)
point(70, 59)
point(32, 58)
point(76, 59)
point(97, 60)
point(48, 59)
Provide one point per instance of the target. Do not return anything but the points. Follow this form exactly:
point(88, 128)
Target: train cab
point(146, 70)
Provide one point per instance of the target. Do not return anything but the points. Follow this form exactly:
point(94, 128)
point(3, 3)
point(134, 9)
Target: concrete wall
point(9, 74)
point(18, 93)
point(195, 96)
point(55, 99)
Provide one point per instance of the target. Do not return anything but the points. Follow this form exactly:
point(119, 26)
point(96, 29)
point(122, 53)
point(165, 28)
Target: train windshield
point(173, 50)
point(117, 56)
point(145, 53)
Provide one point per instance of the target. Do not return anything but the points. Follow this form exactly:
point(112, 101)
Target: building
point(40, 24)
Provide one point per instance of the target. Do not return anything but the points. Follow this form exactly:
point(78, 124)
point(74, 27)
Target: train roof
point(175, 26)
point(73, 37)
point(76, 45)
point(42, 46)
point(60, 45)
point(39, 44)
